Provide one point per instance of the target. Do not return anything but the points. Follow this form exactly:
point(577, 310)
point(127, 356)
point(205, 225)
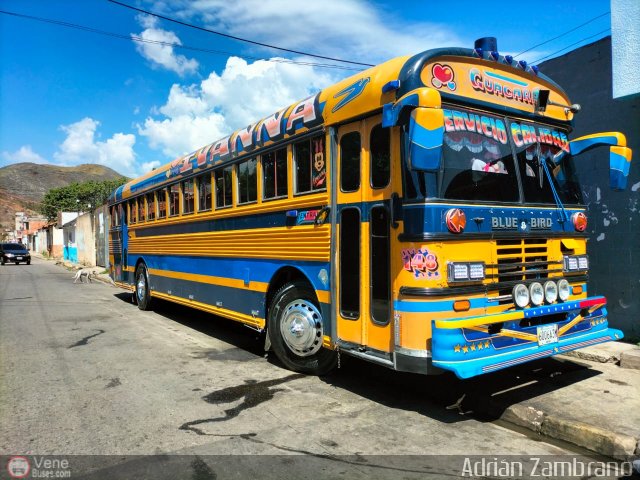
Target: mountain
point(23, 185)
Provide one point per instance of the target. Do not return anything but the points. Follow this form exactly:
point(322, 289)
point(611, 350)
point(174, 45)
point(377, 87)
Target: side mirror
point(619, 154)
point(426, 130)
point(619, 162)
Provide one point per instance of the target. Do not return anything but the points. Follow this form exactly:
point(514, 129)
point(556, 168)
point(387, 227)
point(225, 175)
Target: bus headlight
point(521, 295)
point(563, 290)
point(536, 292)
point(550, 291)
point(465, 271)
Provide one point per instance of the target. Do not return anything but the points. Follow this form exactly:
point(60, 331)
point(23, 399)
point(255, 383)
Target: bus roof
point(457, 74)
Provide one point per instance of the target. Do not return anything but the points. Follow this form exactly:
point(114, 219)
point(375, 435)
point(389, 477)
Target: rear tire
point(142, 293)
point(295, 331)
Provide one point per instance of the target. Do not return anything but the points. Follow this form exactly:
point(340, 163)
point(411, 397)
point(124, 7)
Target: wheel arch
point(280, 278)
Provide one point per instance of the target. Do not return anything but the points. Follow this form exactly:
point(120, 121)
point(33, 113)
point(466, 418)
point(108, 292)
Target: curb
point(596, 439)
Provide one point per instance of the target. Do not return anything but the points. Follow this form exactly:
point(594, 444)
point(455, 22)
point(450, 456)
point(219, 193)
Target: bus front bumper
point(470, 347)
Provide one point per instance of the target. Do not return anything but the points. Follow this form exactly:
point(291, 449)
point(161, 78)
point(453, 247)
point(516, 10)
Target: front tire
point(142, 293)
point(295, 331)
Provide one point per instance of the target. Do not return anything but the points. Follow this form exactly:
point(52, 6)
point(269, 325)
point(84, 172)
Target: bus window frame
point(133, 211)
point(342, 163)
point(286, 167)
point(383, 129)
point(183, 197)
point(179, 203)
point(157, 194)
point(151, 215)
point(237, 181)
point(215, 190)
point(294, 165)
point(211, 192)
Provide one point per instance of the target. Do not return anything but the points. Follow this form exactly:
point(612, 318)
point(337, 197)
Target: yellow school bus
point(424, 214)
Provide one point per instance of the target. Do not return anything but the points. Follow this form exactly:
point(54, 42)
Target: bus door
point(363, 191)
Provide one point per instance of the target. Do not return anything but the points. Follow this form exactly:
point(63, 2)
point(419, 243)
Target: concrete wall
point(625, 33)
point(85, 239)
point(614, 217)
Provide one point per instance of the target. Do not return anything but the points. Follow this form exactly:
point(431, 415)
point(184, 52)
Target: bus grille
point(519, 261)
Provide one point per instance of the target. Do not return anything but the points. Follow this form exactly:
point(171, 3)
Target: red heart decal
point(442, 73)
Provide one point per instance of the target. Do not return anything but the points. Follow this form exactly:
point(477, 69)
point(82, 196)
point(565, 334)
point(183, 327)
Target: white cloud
point(350, 29)
point(155, 50)
point(23, 154)
point(80, 146)
point(243, 93)
point(148, 166)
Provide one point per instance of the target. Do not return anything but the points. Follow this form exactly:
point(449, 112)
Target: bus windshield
point(478, 162)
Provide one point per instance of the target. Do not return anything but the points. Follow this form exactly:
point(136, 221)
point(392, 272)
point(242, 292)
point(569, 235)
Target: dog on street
point(83, 273)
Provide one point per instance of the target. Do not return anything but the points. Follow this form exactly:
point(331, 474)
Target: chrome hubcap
point(141, 286)
point(301, 327)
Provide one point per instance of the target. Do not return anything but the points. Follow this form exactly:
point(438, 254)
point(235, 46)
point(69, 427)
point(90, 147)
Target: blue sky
point(69, 96)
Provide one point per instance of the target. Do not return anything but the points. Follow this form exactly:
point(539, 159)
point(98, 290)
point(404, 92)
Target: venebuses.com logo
point(38, 467)
point(18, 467)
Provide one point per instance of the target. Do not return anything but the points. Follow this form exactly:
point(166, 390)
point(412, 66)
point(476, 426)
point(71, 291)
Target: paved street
point(83, 371)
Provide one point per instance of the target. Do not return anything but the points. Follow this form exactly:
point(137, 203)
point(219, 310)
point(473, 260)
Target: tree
point(78, 197)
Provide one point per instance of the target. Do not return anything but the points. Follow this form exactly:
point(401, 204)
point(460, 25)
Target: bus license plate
point(547, 334)
point(18, 258)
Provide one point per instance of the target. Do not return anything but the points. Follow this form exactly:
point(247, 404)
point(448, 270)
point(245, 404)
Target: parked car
point(14, 252)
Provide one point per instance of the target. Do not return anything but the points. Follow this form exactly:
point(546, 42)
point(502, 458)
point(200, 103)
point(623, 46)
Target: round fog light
point(520, 295)
point(563, 290)
point(537, 293)
point(550, 292)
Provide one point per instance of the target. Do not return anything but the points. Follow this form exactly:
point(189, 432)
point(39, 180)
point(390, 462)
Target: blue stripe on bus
point(260, 270)
point(420, 218)
point(235, 299)
point(434, 306)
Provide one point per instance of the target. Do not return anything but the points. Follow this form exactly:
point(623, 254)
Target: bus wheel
point(295, 331)
point(142, 294)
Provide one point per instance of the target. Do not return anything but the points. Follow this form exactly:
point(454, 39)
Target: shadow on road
point(442, 397)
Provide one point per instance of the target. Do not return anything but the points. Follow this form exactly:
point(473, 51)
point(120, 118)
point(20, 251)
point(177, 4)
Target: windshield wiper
point(563, 214)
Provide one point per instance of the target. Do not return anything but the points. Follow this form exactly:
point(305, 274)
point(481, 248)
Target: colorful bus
point(424, 214)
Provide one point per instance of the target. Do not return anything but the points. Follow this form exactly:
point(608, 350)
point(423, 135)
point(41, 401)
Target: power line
point(561, 35)
point(136, 38)
point(169, 19)
point(576, 43)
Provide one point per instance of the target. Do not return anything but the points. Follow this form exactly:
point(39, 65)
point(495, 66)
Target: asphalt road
point(84, 372)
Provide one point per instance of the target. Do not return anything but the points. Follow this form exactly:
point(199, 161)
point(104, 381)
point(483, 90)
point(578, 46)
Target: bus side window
point(174, 200)
point(204, 192)
point(141, 210)
point(162, 203)
point(310, 165)
point(274, 172)
point(223, 187)
point(133, 208)
point(114, 216)
point(188, 200)
point(350, 162)
point(247, 181)
point(123, 209)
point(151, 207)
point(380, 155)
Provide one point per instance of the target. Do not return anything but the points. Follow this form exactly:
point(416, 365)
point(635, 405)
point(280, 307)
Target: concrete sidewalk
point(592, 404)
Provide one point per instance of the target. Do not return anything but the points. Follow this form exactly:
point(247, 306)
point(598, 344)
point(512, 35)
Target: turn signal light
point(576, 290)
point(579, 220)
point(461, 305)
point(456, 220)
